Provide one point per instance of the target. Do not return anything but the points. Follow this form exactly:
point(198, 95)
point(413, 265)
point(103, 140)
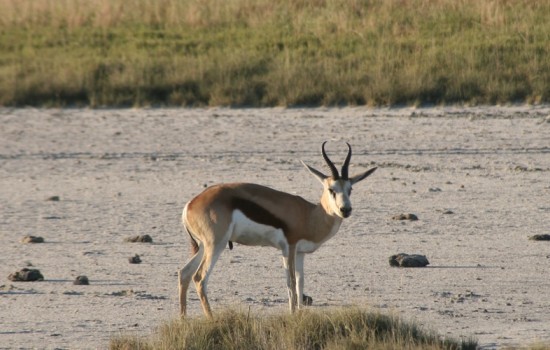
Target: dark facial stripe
point(258, 214)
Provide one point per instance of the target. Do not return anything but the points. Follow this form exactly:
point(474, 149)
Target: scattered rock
point(7, 287)
point(147, 296)
point(51, 217)
point(32, 239)
point(53, 199)
point(72, 292)
point(81, 280)
point(122, 293)
point(93, 252)
point(543, 237)
point(520, 168)
point(26, 275)
point(410, 217)
point(134, 259)
point(406, 260)
point(139, 239)
point(434, 189)
point(136, 294)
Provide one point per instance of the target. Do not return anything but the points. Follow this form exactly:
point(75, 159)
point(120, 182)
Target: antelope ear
point(355, 179)
point(318, 175)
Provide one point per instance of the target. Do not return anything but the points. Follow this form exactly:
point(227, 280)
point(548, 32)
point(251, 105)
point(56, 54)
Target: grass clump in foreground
point(273, 52)
point(348, 328)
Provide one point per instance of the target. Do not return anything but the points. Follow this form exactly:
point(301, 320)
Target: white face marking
point(339, 193)
point(248, 232)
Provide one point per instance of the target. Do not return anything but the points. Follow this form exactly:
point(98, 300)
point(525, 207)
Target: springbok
point(256, 215)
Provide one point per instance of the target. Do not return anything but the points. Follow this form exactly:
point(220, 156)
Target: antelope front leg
point(302, 299)
point(300, 279)
point(290, 266)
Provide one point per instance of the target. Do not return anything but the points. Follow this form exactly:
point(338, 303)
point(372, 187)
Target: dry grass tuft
point(347, 328)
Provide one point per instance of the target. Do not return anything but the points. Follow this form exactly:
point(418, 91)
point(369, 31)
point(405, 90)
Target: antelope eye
point(331, 191)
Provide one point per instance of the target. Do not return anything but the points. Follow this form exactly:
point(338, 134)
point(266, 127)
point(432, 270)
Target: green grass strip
point(273, 52)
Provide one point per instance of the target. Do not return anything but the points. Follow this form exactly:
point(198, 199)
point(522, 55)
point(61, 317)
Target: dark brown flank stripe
point(257, 214)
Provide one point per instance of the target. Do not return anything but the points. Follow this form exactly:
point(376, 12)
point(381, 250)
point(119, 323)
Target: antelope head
point(337, 187)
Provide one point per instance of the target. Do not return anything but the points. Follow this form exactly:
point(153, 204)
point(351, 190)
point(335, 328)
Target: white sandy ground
point(126, 172)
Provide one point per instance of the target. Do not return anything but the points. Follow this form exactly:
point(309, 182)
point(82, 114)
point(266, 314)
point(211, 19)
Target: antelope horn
point(330, 164)
point(346, 164)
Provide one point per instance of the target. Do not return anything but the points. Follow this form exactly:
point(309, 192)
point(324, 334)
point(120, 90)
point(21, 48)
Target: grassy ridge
point(273, 52)
point(349, 328)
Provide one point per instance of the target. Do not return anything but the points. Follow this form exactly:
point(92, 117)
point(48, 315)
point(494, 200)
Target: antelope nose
point(346, 211)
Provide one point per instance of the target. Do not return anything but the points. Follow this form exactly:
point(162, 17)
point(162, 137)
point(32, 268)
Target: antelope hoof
point(307, 300)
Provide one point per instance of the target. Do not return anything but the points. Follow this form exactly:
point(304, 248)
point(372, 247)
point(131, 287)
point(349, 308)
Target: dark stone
point(32, 239)
point(406, 260)
point(81, 280)
point(134, 259)
point(543, 237)
point(26, 275)
point(139, 239)
point(410, 217)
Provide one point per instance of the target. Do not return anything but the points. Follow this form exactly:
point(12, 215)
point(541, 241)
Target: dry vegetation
point(350, 328)
point(265, 53)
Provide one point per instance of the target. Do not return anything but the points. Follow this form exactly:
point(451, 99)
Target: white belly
point(248, 232)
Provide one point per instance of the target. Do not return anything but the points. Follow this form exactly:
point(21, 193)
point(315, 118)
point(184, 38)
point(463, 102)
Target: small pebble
point(134, 259)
